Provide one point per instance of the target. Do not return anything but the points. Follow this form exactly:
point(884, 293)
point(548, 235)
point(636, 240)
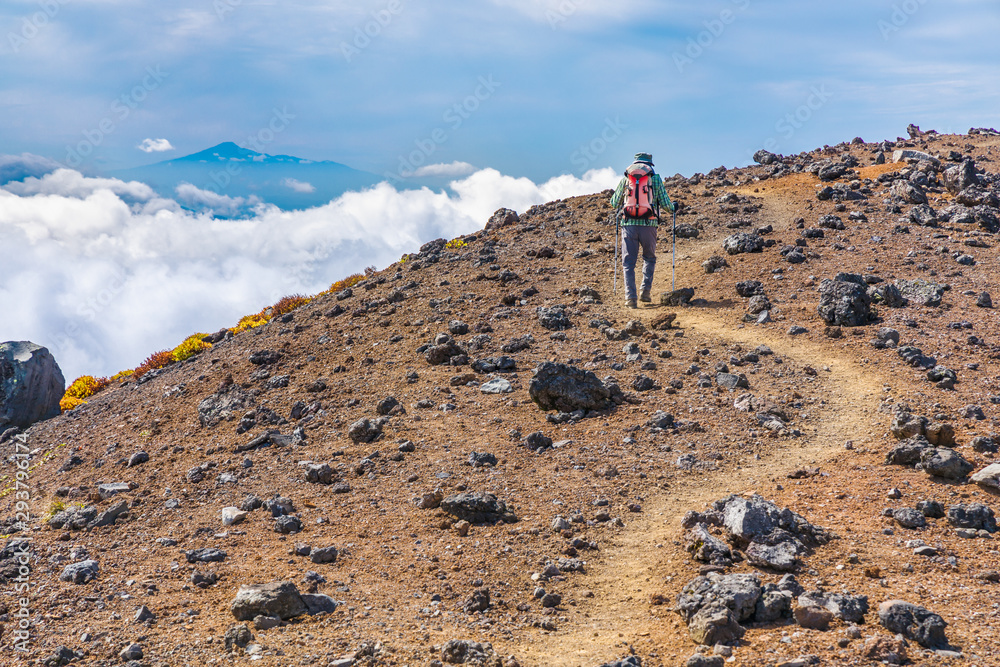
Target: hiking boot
point(631, 303)
point(644, 297)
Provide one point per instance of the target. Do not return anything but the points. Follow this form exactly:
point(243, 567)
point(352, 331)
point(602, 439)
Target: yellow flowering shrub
point(248, 322)
point(82, 388)
point(191, 346)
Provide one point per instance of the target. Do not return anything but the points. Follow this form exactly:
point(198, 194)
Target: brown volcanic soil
point(395, 558)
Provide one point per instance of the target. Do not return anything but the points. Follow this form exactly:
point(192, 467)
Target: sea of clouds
point(104, 272)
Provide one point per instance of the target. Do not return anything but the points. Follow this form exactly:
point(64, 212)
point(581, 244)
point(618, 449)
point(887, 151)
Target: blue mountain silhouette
point(227, 169)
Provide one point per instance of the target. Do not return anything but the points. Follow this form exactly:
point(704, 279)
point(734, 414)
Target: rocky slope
point(814, 408)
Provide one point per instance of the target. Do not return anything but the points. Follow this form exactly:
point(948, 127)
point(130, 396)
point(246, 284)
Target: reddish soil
point(395, 557)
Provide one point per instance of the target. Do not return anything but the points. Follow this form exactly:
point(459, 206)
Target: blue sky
point(698, 84)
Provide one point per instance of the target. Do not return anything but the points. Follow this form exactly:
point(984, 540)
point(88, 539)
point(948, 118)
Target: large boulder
point(467, 652)
point(908, 192)
point(782, 556)
point(366, 430)
point(31, 384)
point(844, 301)
point(913, 622)
point(909, 451)
point(765, 157)
point(477, 508)
point(714, 624)
point(756, 519)
point(742, 242)
point(280, 598)
point(736, 592)
point(974, 516)
point(921, 292)
point(503, 217)
point(82, 572)
point(946, 463)
point(907, 425)
point(960, 176)
point(567, 389)
point(850, 608)
point(988, 477)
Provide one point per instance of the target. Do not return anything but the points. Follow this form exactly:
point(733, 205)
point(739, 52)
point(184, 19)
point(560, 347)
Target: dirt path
point(636, 564)
point(643, 558)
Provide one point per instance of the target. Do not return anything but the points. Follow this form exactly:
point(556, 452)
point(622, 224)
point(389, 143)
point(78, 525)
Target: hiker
point(640, 195)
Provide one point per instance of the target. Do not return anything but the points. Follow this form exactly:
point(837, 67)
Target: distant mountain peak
point(227, 150)
point(227, 168)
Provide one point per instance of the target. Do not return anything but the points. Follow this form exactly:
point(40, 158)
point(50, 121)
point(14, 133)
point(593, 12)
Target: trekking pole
point(673, 258)
point(616, 255)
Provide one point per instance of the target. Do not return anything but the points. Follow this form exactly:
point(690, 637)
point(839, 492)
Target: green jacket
point(660, 200)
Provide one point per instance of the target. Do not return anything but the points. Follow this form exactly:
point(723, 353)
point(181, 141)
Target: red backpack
point(639, 200)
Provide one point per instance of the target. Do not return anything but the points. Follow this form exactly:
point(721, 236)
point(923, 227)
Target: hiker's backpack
point(639, 200)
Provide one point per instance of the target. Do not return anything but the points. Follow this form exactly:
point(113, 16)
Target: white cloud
point(298, 186)
point(452, 169)
point(70, 183)
point(155, 146)
point(103, 281)
point(210, 201)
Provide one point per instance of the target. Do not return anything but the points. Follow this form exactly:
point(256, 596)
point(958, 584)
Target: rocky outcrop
point(31, 384)
point(503, 217)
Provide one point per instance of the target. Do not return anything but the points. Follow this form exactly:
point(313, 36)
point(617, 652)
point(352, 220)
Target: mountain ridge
point(834, 351)
point(248, 176)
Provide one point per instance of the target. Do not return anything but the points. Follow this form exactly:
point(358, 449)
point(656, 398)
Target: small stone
point(143, 614)
point(265, 622)
point(324, 555)
point(131, 652)
point(80, 573)
point(988, 477)
point(496, 386)
point(137, 459)
point(237, 636)
point(232, 516)
point(105, 491)
point(813, 618)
